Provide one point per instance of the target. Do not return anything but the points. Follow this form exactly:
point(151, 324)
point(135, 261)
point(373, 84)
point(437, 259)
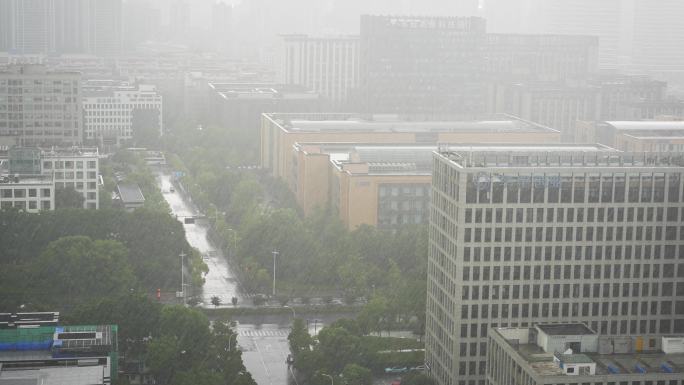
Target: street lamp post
point(234, 240)
point(275, 253)
point(330, 377)
point(230, 338)
point(182, 257)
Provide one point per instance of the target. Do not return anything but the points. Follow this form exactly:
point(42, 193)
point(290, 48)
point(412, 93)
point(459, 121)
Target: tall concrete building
point(327, 65)
point(634, 35)
point(550, 233)
point(430, 66)
point(40, 107)
point(61, 26)
point(658, 38)
point(110, 109)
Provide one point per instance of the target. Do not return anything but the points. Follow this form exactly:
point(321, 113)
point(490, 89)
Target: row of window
point(616, 310)
point(568, 253)
point(69, 164)
point(593, 271)
point(566, 290)
point(22, 205)
point(573, 234)
point(8, 193)
point(573, 214)
point(613, 188)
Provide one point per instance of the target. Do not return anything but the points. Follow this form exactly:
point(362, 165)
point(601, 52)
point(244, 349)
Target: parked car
point(397, 369)
point(395, 382)
point(419, 368)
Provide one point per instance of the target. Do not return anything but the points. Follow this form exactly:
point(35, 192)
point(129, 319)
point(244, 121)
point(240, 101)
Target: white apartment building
point(78, 168)
point(531, 234)
point(30, 176)
point(110, 109)
point(31, 194)
point(327, 65)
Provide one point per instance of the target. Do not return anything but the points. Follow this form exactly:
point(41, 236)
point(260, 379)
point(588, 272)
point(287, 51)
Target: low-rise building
point(240, 105)
point(654, 135)
point(279, 132)
point(31, 176)
point(130, 196)
point(555, 354)
point(60, 355)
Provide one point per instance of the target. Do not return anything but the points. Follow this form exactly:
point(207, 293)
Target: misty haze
point(329, 192)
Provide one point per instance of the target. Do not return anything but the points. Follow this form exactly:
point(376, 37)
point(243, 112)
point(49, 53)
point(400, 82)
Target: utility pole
point(275, 253)
point(182, 256)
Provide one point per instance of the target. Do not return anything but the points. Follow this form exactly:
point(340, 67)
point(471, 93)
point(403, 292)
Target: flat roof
point(560, 156)
point(572, 329)
point(499, 123)
point(606, 364)
point(649, 125)
point(130, 193)
point(72, 375)
point(416, 159)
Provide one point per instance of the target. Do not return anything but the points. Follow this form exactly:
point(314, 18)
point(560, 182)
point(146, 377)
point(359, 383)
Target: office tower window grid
point(524, 242)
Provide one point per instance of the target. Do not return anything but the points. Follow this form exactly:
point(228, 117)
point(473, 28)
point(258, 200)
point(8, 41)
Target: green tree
point(136, 315)
point(76, 268)
point(190, 328)
point(357, 375)
point(68, 197)
point(371, 316)
point(215, 300)
point(338, 347)
point(164, 354)
point(299, 337)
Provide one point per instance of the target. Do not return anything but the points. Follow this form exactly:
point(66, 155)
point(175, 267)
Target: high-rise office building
point(634, 35)
point(550, 233)
point(658, 38)
point(40, 107)
point(327, 65)
point(61, 26)
point(429, 66)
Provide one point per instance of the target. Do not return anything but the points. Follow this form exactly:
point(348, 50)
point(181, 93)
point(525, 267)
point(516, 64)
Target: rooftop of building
point(558, 156)
point(565, 329)
point(14, 320)
point(130, 193)
point(71, 375)
point(349, 122)
point(108, 87)
point(230, 91)
point(647, 125)
point(632, 361)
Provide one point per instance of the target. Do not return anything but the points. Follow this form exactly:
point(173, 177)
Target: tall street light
point(182, 257)
point(275, 253)
point(230, 338)
point(234, 240)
